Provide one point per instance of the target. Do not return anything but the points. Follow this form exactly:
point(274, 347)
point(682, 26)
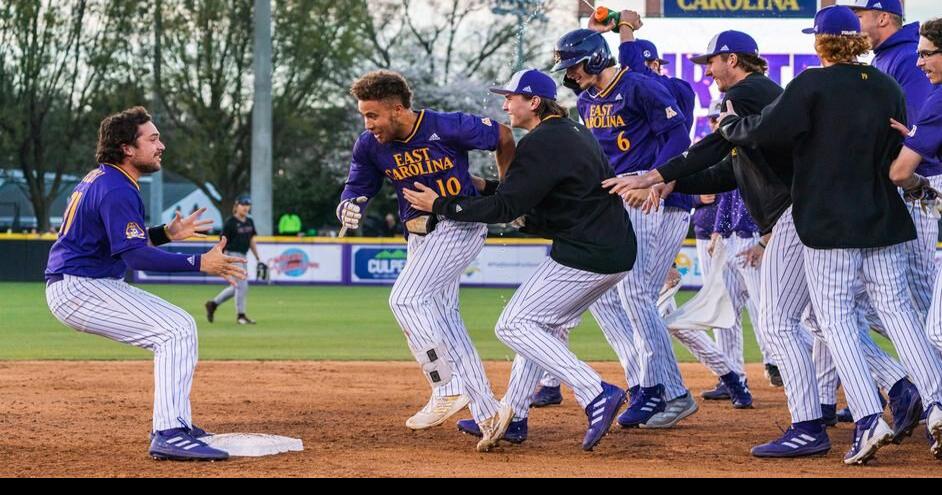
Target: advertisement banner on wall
point(688, 264)
point(495, 265)
point(287, 263)
point(740, 8)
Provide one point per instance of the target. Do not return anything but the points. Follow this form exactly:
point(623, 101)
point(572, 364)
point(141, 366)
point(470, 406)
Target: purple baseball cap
point(649, 51)
point(888, 6)
point(728, 42)
point(529, 82)
point(836, 20)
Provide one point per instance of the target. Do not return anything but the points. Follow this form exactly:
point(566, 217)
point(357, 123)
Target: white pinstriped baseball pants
point(548, 304)
point(115, 310)
point(424, 301)
point(742, 283)
point(921, 268)
point(885, 280)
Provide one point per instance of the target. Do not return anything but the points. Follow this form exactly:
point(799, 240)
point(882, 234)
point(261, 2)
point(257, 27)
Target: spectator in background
point(391, 227)
point(289, 223)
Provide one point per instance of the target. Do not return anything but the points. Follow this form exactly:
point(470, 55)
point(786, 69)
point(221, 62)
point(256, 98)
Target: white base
point(253, 444)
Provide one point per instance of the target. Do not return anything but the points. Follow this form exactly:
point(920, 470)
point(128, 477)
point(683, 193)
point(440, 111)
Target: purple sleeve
point(471, 132)
point(722, 224)
point(629, 55)
point(672, 143)
point(364, 178)
point(926, 136)
point(151, 259)
point(122, 215)
point(659, 106)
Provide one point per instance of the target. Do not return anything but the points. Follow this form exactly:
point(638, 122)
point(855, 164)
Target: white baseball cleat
point(934, 427)
point(493, 428)
point(870, 434)
point(437, 411)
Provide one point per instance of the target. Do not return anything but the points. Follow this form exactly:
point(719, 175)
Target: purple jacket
point(704, 217)
point(897, 57)
point(732, 217)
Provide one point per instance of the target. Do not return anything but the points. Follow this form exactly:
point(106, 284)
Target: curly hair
point(117, 130)
point(932, 31)
point(841, 49)
point(382, 85)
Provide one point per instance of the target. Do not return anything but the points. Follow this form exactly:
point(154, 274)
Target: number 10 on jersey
point(451, 187)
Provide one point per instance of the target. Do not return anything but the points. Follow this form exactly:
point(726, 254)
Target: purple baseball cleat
point(739, 392)
point(516, 433)
point(906, 406)
point(644, 404)
point(546, 396)
point(719, 392)
point(601, 412)
point(800, 440)
point(870, 434)
point(178, 444)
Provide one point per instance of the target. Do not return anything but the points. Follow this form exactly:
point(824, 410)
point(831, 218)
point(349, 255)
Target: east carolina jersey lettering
point(435, 154)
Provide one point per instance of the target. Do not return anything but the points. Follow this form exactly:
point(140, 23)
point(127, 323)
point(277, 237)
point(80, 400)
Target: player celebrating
point(639, 126)
point(240, 232)
point(429, 147)
point(924, 142)
point(551, 181)
point(863, 227)
point(102, 235)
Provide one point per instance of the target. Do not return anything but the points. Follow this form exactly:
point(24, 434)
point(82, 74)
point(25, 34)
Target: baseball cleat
point(774, 375)
point(211, 310)
point(437, 411)
point(516, 433)
point(906, 407)
point(870, 434)
point(739, 393)
point(546, 396)
point(179, 444)
point(796, 442)
point(644, 404)
point(493, 428)
point(198, 432)
point(719, 392)
point(934, 427)
point(674, 411)
point(244, 320)
point(601, 412)
point(829, 414)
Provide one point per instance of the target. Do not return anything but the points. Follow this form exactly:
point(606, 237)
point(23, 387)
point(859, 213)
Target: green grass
point(294, 323)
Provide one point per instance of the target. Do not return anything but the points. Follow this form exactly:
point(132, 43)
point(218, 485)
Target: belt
point(51, 279)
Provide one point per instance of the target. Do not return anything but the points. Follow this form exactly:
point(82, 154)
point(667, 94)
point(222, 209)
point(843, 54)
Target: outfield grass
point(294, 323)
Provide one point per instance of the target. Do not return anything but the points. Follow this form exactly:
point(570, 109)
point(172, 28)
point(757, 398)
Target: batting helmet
point(583, 45)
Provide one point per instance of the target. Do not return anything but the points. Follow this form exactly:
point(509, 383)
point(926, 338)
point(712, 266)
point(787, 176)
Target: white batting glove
point(349, 212)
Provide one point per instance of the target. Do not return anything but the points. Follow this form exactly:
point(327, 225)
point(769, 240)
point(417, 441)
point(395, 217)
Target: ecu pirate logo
point(134, 231)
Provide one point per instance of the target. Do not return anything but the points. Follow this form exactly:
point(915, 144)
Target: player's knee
point(404, 304)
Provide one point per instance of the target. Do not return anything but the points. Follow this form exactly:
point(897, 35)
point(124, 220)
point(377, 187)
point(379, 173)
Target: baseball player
point(240, 232)
point(429, 147)
point(554, 181)
point(855, 232)
point(764, 178)
point(638, 124)
point(102, 235)
point(924, 141)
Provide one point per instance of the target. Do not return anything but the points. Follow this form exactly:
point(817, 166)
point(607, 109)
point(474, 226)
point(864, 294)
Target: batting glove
point(349, 212)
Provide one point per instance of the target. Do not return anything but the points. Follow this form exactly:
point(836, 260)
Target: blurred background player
point(239, 230)
point(428, 147)
point(101, 237)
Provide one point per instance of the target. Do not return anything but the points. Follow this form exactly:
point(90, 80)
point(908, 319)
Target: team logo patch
point(134, 231)
point(486, 122)
point(619, 98)
point(670, 113)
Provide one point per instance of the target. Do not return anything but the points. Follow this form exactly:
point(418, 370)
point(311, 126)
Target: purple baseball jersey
point(103, 219)
point(435, 154)
point(926, 135)
point(704, 219)
point(628, 118)
point(732, 217)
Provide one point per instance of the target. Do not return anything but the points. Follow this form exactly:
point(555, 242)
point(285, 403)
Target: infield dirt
point(93, 419)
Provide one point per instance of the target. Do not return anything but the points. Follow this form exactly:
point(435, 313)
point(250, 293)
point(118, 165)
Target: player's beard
point(146, 168)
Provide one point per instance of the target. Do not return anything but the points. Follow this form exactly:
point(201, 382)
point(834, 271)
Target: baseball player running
point(638, 124)
point(924, 141)
point(862, 230)
point(239, 230)
point(431, 148)
point(102, 235)
point(554, 181)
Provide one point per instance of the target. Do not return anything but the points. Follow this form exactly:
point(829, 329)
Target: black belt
point(51, 279)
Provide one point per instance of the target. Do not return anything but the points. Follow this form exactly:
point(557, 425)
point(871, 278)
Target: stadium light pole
point(157, 178)
point(525, 11)
point(261, 184)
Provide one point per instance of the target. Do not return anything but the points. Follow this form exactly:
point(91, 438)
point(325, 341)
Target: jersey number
point(450, 188)
point(69, 214)
point(623, 143)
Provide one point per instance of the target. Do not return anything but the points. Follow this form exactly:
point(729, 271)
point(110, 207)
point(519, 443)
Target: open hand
point(902, 129)
point(183, 228)
point(657, 194)
point(422, 198)
point(622, 185)
point(216, 262)
point(752, 257)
